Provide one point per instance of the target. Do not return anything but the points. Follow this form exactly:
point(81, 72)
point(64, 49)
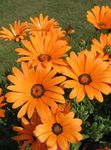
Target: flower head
point(34, 89)
point(89, 76)
point(64, 108)
point(26, 136)
point(103, 46)
point(100, 17)
point(44, 51)
point(59, 129)
point(2, 111)
point(17, 33)
point(41, 24)
point(61, 34)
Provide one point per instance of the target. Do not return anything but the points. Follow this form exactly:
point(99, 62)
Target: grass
point(66, 12)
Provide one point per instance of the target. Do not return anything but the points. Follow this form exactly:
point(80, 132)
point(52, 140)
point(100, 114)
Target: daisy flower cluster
point(48, 68)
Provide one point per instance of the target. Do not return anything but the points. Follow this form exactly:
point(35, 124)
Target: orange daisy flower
point(103, 46)
point(61, 34)
point(44, 51)
point(17, 33)
point(2, 111)
point(41, 24)
point(64, 108)
point(88, 76)
point(100, 17)
point(34, 90)
point(59, 129)
point(26, 136)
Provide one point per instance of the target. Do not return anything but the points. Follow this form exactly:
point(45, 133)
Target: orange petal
point(51, 141)
point(57, 97)
point(104, 88)
point(31, 109)
point(23, 110)
point(89, 91)
point(55, 81)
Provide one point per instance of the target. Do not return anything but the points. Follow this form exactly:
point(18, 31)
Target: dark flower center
point(37, 90)
point(44, 57)
point(57, 129)
point(84, 79)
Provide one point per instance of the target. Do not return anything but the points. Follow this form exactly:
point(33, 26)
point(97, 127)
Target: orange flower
point(34, 90)
point(17, 33)
point(41, 24)
point(44, 51)
point(100, 17)
point(61, 34)
point(2, 111)
point(64, 108)
point(103, 46)
point(26, 136)
point(88, 76)
point(59, 129)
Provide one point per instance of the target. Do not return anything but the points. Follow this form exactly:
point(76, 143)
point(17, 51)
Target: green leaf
point(75, 146)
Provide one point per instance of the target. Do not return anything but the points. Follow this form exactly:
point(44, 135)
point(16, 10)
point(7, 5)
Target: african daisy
point(100, 17)
point(34, 90)
point(17, 32)
point(88, 76)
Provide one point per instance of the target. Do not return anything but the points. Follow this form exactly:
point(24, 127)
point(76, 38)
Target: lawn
point(65, 11)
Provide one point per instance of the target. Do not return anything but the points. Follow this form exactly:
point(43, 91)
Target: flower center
point(57, 128)
point(84, 79)
point(107, 49)
point(44, 57)
point(37, 90)
point(101, 24)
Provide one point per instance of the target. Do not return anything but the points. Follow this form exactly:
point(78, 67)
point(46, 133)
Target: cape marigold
point(34, 89)
point(44, 51)
point(100, 17)
point(2, 111)
point(103, 46)
point(59, 129)
point(61, 34)
point(64, 108)
point(26, 136)
point(17, 33)
point(88, 76)
point(41, 24)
